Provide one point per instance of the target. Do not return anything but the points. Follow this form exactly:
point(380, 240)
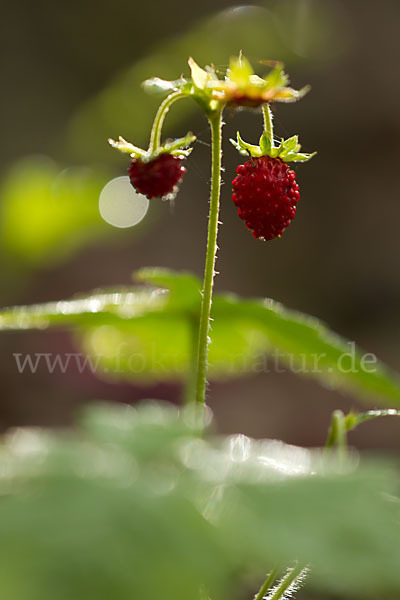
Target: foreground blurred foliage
point(139, 503)
point(146, 333)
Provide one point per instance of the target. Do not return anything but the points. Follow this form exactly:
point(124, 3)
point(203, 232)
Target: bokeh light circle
point(120, 205)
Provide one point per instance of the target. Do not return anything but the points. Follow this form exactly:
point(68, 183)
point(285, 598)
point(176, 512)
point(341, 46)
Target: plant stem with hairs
point(215, 120)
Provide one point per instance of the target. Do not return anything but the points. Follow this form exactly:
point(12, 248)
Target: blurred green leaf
point(342, 525)
point(145, 333)
point(81, 520)
point(47, 214)
point(184, 289)
point(140, 502)
point(309, 348)
point(98, 308)
point(353, 419)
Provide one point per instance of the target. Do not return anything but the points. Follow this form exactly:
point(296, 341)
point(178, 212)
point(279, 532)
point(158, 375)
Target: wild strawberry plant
point(148, 502)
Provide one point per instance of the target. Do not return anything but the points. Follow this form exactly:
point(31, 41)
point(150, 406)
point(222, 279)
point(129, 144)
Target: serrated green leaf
point(146, 333)
point(98, 308)
point(309, 348)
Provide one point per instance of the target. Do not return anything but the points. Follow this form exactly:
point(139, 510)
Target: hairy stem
point(215, 120)
point(286, 582)
point(266, 585)
point(155, 138)
point(191, 382)
point(268, 123)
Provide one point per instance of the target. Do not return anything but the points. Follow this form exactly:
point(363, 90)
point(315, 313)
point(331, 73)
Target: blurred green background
point(70, 76)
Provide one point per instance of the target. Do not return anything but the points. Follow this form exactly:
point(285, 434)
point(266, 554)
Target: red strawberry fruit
point(266, 194)
point(157, 178)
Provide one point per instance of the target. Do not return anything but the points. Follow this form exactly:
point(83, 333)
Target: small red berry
point(266, 194)
point(157, 178)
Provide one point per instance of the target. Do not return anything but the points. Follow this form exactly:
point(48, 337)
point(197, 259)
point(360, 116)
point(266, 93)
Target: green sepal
point(245, 148)
point(291, 144)
point(201, 89)
point(288, 94)
point(212, 93)
point(242, 75)
point(127, 148)
point(155, 85)
point(288, 150)
point(201, 77)
point(239, 71)
point(197, 87)
point(298, 157)
point(277, 78)
point(179, 147)
point(265, 144)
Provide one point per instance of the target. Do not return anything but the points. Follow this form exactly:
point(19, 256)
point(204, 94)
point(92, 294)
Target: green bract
point(288, 150)
point(240, 86)
point(179, 147)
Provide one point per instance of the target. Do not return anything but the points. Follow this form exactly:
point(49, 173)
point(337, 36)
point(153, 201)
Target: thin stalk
point(268, 123)
point(286, 583)
point(267, 584)
point(215, 120)
point(190, 386)
point(155, 138)
point(337, 434)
